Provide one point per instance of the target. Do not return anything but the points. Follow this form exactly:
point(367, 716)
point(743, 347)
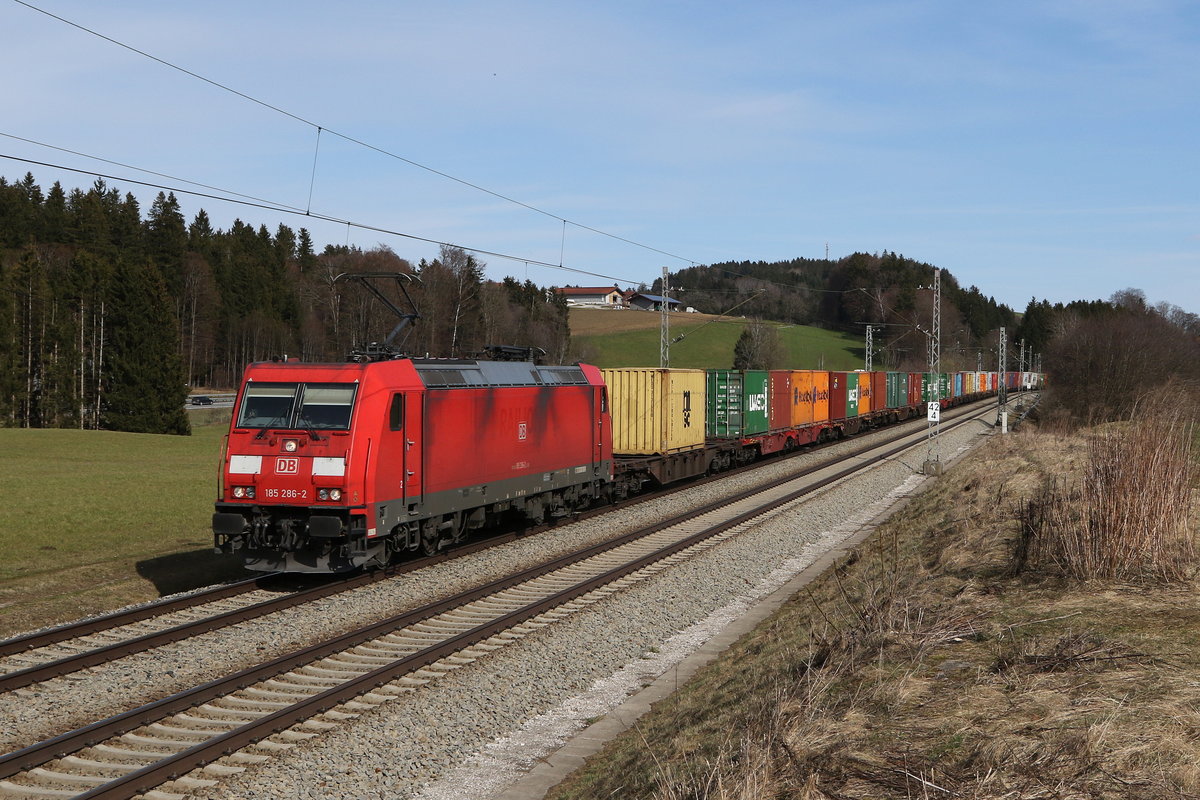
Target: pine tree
point(145, 389)
point(304, 251)
point(200, 234)
point(167, 241)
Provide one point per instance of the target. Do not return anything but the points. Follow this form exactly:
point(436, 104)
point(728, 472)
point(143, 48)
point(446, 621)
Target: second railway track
point(142, 748)
point(40, 656)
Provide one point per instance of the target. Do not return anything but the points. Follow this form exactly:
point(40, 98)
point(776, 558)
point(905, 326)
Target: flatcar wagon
point(334, 467)
point(658, 426)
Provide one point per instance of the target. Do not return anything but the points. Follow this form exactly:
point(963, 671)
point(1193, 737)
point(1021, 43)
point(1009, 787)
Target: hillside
point(885, 289)
point(630, 338)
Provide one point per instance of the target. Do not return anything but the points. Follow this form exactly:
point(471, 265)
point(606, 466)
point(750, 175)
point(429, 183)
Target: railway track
point(36, 657)
point(222, 727)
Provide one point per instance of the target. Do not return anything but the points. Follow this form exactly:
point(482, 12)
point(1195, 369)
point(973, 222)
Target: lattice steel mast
point(933, 463)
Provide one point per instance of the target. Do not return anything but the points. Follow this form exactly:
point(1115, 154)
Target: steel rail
point(40, 753)
point(41, 672)
point(106, 653)
point(85, 627)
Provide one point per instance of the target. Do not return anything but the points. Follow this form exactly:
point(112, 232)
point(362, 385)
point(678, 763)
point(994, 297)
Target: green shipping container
point(928, 385)
point(852, 393)
point(897, 389)
point(944, 385)
point(737, 403)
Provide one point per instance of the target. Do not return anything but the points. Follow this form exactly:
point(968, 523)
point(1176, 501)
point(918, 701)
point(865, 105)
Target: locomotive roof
point(432, 372)
point(447, 373)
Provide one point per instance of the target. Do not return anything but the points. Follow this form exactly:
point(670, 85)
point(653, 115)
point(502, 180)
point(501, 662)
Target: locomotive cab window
point(324, 406)
point(267, 405)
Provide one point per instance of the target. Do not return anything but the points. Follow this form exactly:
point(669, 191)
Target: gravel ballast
point(477, 728)
point(472, 732)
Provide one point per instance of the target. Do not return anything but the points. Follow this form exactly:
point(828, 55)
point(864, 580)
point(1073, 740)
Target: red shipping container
point(879, 390)
point(779, 409)
point(837, 395)
point(914, 389)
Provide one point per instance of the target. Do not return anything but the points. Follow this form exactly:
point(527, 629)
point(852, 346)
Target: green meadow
point(92, 519)
point(707, 344)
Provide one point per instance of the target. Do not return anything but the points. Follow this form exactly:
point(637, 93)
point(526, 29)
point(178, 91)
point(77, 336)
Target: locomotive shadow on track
point(179, 572)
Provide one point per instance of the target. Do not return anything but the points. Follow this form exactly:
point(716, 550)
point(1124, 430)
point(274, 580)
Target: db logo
point(522, 431)
point(287, 466)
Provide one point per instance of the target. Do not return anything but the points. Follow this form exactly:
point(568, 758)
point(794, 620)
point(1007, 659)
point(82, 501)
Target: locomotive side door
point(405, 420)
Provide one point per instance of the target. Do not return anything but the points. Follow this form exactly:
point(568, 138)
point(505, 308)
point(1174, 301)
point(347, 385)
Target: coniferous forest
point(108, 315)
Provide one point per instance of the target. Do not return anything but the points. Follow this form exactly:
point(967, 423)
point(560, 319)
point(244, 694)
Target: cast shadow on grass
point(179, 572)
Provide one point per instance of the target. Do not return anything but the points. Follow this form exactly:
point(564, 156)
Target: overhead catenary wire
point(321, 128)
point(268, 206)
point(275, 205)
point(271, 203)
point(347, 137)
point(382, 151)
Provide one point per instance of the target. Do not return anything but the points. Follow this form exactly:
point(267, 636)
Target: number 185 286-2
point(286, 494)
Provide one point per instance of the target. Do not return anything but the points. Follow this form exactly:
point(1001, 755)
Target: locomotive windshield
point(312, 406)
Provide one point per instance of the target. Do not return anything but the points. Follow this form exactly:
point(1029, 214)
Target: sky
point(1041, 148)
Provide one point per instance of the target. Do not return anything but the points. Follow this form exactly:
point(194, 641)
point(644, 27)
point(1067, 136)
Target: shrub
point(1130, 515)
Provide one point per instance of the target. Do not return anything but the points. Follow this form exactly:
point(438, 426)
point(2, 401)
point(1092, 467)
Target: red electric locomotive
point(331, 467)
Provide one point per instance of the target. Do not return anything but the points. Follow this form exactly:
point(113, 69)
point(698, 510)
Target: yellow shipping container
point(655, 411)
point(810, 396)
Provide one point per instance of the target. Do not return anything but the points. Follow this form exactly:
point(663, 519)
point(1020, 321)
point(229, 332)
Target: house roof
point(588, 290)
point(654, 298)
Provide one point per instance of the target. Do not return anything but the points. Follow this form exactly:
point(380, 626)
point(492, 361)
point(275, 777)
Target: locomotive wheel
point(429, 538)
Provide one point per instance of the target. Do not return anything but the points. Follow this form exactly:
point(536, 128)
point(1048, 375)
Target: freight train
point(336, 467)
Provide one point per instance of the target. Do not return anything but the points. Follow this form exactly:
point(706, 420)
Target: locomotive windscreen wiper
point(309, 428)
point(263, 430)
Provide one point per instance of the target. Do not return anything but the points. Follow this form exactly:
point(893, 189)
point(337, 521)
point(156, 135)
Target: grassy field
point(631, 339)
point(97, 518)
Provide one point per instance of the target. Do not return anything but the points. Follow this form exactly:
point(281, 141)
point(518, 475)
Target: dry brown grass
point(923, 667)
point(1125, 516)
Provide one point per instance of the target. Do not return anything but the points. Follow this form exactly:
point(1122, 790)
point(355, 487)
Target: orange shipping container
point(810, 396)
point(865, 403)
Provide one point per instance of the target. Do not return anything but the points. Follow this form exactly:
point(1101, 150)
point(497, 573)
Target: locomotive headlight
point(322, 494)
point(290, 445)
point(335, 494)
point(239, 492)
